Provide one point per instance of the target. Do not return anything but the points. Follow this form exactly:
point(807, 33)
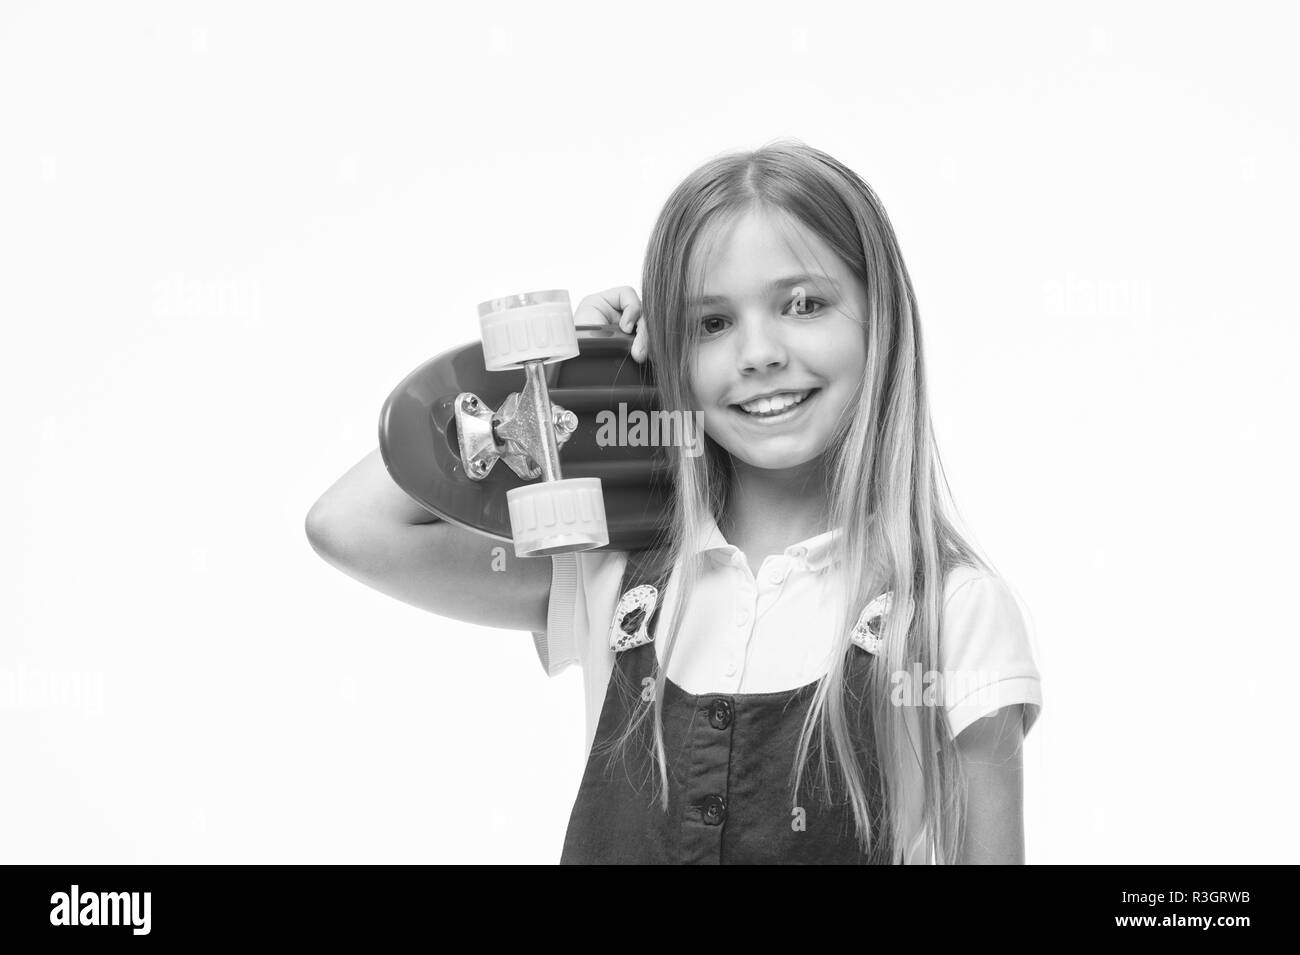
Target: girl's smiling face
point(758, 336)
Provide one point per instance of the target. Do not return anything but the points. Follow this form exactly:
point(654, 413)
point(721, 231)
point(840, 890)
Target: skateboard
point(463, 436)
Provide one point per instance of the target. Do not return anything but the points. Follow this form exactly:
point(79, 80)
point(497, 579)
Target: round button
point(720, 714)
point(798, 551)
point(731, 668)
point(714, 810)
point(776, 576)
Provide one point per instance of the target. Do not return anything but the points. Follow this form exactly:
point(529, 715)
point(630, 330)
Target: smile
point(777, 409)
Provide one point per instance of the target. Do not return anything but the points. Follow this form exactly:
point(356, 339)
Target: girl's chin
point(771, 462)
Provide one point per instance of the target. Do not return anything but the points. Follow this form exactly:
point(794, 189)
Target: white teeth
point(775, 403)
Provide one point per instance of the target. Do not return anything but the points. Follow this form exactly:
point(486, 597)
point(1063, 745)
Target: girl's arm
point(369, 528)
point(994, 823)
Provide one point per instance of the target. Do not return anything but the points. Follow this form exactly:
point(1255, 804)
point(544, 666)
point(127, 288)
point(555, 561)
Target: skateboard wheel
point(534, 326)
point(557, 517)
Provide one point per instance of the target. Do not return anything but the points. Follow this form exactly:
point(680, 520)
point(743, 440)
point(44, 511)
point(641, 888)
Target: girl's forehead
point(754, 241)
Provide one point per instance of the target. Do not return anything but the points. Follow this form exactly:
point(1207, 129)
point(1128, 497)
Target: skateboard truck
point(555, 516)
point(512, 435)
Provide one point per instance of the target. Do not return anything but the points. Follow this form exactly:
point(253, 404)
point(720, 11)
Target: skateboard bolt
point(567, 422)
point(470, 403)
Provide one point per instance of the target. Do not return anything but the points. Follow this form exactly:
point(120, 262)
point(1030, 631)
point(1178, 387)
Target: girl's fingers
point(629, 306)
point(598, 304)
point(622, 299)
point(629, 318)
point(612, 304)
point(620, 306)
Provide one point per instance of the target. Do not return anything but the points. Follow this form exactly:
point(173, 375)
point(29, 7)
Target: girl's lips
point(789, 414)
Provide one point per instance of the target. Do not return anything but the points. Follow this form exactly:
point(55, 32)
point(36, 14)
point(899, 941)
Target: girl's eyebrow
point(771, 287)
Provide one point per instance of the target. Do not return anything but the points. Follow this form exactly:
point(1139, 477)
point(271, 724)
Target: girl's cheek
point(696, 376)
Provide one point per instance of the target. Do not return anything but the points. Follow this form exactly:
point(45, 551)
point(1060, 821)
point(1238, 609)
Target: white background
point(228, 230)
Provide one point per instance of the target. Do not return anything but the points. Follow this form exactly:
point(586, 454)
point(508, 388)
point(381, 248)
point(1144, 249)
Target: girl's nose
point(761, 345)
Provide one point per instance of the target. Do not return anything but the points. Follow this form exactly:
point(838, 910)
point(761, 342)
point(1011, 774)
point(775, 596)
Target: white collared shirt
point(774, 630)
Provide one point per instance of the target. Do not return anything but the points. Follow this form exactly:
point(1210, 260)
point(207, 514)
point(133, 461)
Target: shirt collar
point(814, 553)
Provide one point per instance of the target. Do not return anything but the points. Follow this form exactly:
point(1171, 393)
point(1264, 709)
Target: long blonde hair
point(883, 481)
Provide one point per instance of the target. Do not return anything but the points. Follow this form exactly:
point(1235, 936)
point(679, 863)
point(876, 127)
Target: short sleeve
point(987, 659)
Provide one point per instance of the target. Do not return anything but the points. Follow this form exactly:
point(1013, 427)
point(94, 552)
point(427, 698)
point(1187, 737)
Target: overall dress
point(730, 758)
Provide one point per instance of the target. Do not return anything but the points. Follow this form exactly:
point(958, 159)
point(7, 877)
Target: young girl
point(815, 666)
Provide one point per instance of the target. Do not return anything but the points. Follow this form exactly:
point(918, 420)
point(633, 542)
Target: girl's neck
point(777, 508)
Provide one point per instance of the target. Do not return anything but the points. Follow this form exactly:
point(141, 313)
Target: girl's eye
point(808, 302)
point(809, 310)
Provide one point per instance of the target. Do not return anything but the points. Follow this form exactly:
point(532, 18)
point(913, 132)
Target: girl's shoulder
point(965, 576)
point(971, 591)
point(981, 610)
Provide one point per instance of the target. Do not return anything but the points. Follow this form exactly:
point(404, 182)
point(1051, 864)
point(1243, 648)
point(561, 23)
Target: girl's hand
point(622, 307)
